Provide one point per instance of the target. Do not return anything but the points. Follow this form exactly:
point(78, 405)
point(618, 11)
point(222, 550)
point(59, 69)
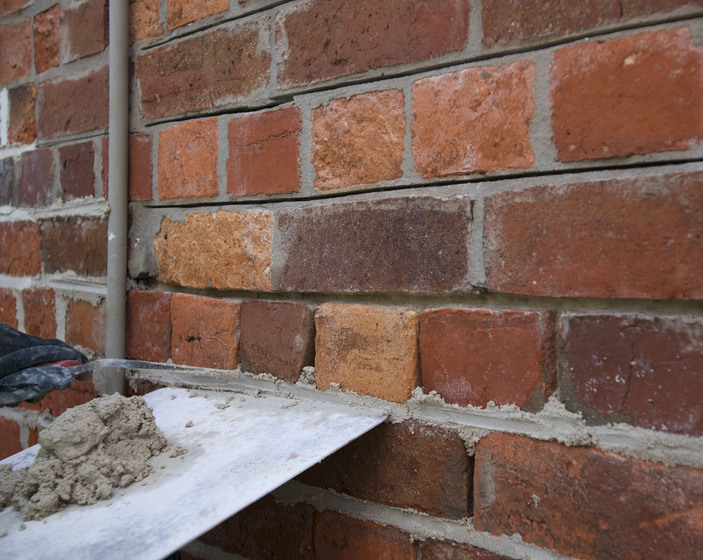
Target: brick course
point(15, 50)
point(35, 177)
point(39, 312)
point(47, 39)
point(21, 243)
point(85, 325)
point(76, 172)
point(148, 335)
point(182, 12)
point(87, 28)
point(22, 126)
point(8, 307)
point(75, 244)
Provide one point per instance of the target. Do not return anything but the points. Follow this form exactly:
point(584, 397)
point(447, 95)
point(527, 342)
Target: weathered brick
point(15, 50)
point(474, 356)
point(140, 167)
point(87, 28)
point(85, 325)
point(234, 250)
point(266, 530)
point(139, 386)
point(148, 334)
point(585, 502)
point(449, 550)
point(71, 106)
point(264, 153)
point(328, 39)
point(9, 438)
point(410, 244)
point(22, 125)
point(21, 243)
point(57, 402)
point(188, 159)
point(182, 12)
point(205, 331)
point(77, 244)
point(408, 465)
point(627, 238)
point(144, 20)
point(277, 337)
point(474, 120)
point(76, 174)
point(47, 38)
point(529, 21)
point(634, 95)
point(368, 350)
point(338, 537)
point(204, 71)
point(35, 177)
point(641, 369)
point(39, 312)
point(7, 180)
point(10, 6)
point(358, 140)
point(8, 307)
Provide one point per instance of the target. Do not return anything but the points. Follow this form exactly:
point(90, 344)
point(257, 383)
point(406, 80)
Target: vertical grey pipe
point(117, 198)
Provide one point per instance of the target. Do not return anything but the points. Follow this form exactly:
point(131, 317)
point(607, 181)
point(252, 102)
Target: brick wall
point(486, 214)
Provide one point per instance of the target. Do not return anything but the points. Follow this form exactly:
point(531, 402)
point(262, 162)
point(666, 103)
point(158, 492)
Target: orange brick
point(47, 38)
point(148, 325)
point(181, 12)
point(85, 325)
point(39, 313)
point(144, 20)
point(21, 243)
point(8, 307)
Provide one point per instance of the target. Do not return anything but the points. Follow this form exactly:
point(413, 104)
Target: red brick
point(410, 244)
point(8, 307)
point(47, 38)
point(76, 172)
point(39, 312)
point(358, 140)
point(87, 28)
point(7, 180)
point(264, 153)
point(585, 502)
point(21, 243)
point(641, 369)
point(15, 50)
point(627, 238)
point(635, 95)
point(234, 250)
point(85, 325)
point(338, 537)
point(528, 21)
point(473, 356)
point(22, 125)
point(188, 159)
point(148, 325)
point(58, 402)
point(326, 39)
point(71, 106)
point(144, 20)
point(182, 12)
point(277, 337)
point(77, 244)
point(408, 465)
point(205, 331)
point(474, 120)
point(212, 69)
point(140, 387)
point(449, 550)
point(368, 350)
point(10, 6)
point(140, 167)
point(266, 530)
point(35, 177)
point(9, 438)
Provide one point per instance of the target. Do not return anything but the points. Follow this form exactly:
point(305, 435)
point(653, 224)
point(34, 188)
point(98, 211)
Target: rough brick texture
point(205, 331)
point(264, 153)
point(410, 244)
point(22, 126)
point(359, 140)
point(21, 243)
point(76, 173)
point(71, 106)
point(277, 337)
point(408, 465)
point(188, 159)
point(10, 6)
point(338, 537)
point(15, 50)
point(182, 12)
point(203, 71)
point(7, 181)
point(634, 368)
point(75, 244)
point(87, 28)
point(35, 177)
point(39, 312)
point(8, 307)
point(368, 350)
point(85, 325)
point(234, 250)
point(474, 356)
point(148, 335)
point(585, 502)
point(448, 550)
point(326, 39)
point(47, 39)
point(636, 238)
point(144, 19)
point(9, 438)
point(474, 120)
point(635, 95)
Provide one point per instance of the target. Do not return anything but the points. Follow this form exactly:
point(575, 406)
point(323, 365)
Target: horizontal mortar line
point(71, 138)
point(215, 112)
point(420, 526)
